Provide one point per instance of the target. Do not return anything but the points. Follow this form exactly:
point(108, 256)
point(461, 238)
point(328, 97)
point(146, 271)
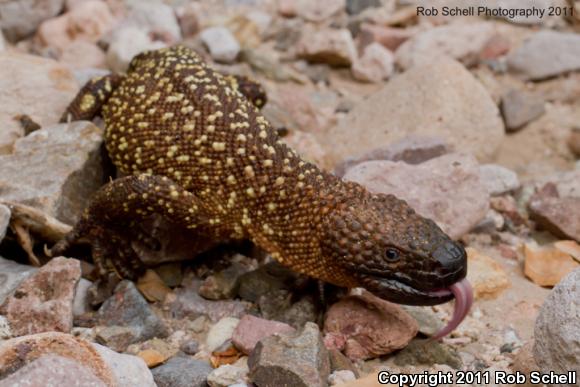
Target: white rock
point(461, 41)
point(20, 18)
point(226, 375)
point(155, 17)
point(546, 54)
point(221, 43)
point(557, 330)
point(55, 169)
point(130, 371)
point(375, 65)
point(439, 99)
point(221, 332)
point(5, 214)
point(128, 42)
point(498, 179)
point(40, 88)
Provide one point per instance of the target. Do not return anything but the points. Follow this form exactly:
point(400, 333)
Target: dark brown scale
point(204, 157)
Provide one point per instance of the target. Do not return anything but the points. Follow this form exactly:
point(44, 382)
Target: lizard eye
point(392, 254)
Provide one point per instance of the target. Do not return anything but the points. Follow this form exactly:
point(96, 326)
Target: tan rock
point(439, 99)
point(375, 65)
point(152, 287)
point(485, 275)
point(524, 361)
point(571, 248)
point(152, 357)
point(44, 88)
point(331, 46)
point(15, 353)
point(546, 266)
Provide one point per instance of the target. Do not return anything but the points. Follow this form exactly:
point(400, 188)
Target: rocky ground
point(474, 121)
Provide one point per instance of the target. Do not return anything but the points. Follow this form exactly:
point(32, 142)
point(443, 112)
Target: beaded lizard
point(195, 149)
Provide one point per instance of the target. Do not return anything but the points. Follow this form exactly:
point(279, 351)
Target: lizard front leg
point(113, 218)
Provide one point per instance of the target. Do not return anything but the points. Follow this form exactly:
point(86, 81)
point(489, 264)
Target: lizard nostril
point(450, 255)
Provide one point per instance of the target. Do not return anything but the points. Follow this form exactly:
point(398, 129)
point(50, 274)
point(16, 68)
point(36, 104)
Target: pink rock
point(44, 301)
point(375, 65)
point(368, 327)
point(559, 215)
point(88, 21)
point(447, 189)
point(252, 329)
point(331, 46)
point(389, 37)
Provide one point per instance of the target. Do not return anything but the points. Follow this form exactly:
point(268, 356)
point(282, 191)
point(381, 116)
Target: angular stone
point(453, 106)
point(265, 280)
point(498, 180)
point(221, 43)
point(182, 372)
point(331, 46)
point(486, 276)
point(44, 88)
point(55, 169)
point(428, 352)
point(20, 18)
point(547, 265)
point(127, 370)
point(11, 275)
point(44, 301)
point(223, 284)
point(559, 215)
point(367, 327)
point(460, 41)
point(128, 308)
point(546, 54)
point(188, 303)
point(446, 189)
point(5, 214)
point(519, 108)
point(557, 330)
point(375, 65)
point(228, 375)
point(16, 353)
point(53, 370)
point(81, 303)
point(221, 332)
point(294, 359)
point(118, 338)
point(251, 330)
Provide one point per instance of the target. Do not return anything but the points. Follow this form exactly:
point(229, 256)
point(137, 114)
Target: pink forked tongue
point(463, 300)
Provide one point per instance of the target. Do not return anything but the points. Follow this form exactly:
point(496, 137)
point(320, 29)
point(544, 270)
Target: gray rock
point(54, 169)
point(53, 370)
point(224, 284)
point(557, 330)
point(5, 214)
point(519, 108)
point(446, 189)
point(411, 150)
point(339, 377)
point(221, 43)
point(428, 352)
point(355, 7)
point(128, 308)
point(281, 306)
point(182, 372)
point(498, 179)
point(81, 304)
point(188, 303)
point(252, 329)
point(190, 347)
point(546, 54)
point(292, 359)
point(453, 105)
point(127, 42)
point(128, 370)
point(43, 302)
point(11, 275)
point(20, 18)
point(2, 41)
point(44, 88)
point(118, 338)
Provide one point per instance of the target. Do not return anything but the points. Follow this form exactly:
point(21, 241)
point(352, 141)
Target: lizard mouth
point(399, 292)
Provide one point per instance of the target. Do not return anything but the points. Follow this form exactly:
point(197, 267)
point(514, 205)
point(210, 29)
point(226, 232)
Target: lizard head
point(394, 252)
